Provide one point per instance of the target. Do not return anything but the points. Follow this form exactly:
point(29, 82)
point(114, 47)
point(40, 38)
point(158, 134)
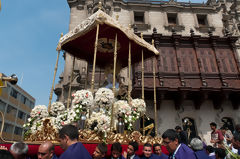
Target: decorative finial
point(142, 35)
point(100, 5)
point(191, 31)
point(153, 42)
point(129, 26)
point(117, 16)
point(61, 34)
point(154, 30)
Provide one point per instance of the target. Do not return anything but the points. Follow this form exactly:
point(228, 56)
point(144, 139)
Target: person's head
point(19, 150)
point(236, 141)
point(67, 136)
point(178, 129)
point(46, 150)
point(100, 151)
point(196, 144)
point(132, 148)
point(209, 149)
point(223, 129)
point(170, 140)
point(157, 149)
point(213, 126)
point(147, 150)
point(116, 150)
point(220, 153)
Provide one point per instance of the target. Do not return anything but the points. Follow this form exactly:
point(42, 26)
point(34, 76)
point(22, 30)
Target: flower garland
point(104, 98)
point(56, 108)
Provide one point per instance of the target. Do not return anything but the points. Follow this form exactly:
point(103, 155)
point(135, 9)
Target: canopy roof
point(80, 41)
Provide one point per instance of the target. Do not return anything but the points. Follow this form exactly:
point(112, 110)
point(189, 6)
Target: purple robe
point(184, 152)
point(201, 155)
point(76, 151)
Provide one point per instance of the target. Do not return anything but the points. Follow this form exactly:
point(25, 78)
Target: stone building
point(198, 66)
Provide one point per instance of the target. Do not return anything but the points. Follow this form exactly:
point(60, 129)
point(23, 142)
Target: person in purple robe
point(158, 151)
point(100, 151)
point(131, 151)
point(177, 150)
point(220, 153)
point(197, 146)
point(68, 138)
point(147, 152)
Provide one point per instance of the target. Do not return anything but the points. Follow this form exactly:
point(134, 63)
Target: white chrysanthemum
point(138, 105)
point(39, 111)
point(104, 98)
point(56, 108)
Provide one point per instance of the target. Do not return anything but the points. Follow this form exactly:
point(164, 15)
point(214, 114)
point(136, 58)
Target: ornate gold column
point(129, 72)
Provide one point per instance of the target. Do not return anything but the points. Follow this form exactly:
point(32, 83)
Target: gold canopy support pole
point(54, 76)
point(154, 91)
point(70, 85)
point(114, 78)
point(143, 86)
point(129, 72)
point(94, 59)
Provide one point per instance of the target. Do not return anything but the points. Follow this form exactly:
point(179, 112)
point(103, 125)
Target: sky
point(29, 34)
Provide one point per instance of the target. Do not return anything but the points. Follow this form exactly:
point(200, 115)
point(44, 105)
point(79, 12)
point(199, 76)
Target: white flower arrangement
point(122, 107)
point(39, 111)
point(138, 106)
point(104, 98)
point(62, 119)
point(56, 108)
point(99, 122)
point(83, 97)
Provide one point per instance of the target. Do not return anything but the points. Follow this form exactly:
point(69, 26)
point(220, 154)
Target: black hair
point(155, 145)
point(170, 134)
point(117, 147)
point(213, 124)
point(220, 153)
point(178, 127)
point(210, 149)
point(134, 144)
point(70, 131)
point(102, 147)
point(147, 145)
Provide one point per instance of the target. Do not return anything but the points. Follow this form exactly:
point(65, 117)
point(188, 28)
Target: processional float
point(102, 41)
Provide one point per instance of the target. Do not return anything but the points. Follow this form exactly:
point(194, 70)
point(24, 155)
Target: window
point(23, 99)
point(21, 115)
point(202, 20)
point(18, 131)
point(172, 19)
point(139, 17)
point(13, 93)
point(31, 104)
point(11, 110)
point(2, 106)
point(8, 128)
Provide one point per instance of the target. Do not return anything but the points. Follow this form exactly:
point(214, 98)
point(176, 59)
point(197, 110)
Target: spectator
point(116, 151)
point(216, 135)
point(236, 142)
point(46, 151)
point(227, 135)
point(68, 137)
point(100, 151)
point(131, 151)
point(147, 152)
point(183, 138)
point(158, 151)
point(19, 150)
point(177, 150)
point(197, 146)
point(220, 153)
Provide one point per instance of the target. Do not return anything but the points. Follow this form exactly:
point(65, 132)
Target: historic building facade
point(198, 66)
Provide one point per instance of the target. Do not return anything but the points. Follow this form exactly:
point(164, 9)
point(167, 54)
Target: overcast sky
point(29, 33)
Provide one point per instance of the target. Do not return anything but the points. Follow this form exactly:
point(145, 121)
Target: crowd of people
point(175, 141)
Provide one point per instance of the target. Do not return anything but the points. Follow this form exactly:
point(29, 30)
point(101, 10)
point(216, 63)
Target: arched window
point(189, 127)
point(228, 122)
